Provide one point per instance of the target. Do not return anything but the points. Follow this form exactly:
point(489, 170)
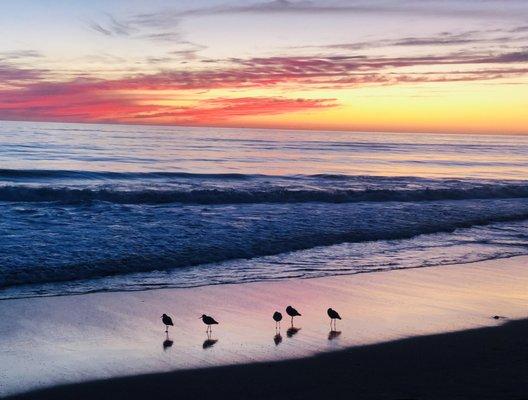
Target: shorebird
point(277, 317)
point(292, 312)
point(207, 320)
point(333, 317)
point(167, 321)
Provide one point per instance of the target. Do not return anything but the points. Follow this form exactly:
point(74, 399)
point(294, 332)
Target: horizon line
point(227, 126)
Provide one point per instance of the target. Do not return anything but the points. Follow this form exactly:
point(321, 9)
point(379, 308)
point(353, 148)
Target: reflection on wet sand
point(292, 331)
point(209, 342)
point(333, 335)
point(277, 339)
point(167, 342)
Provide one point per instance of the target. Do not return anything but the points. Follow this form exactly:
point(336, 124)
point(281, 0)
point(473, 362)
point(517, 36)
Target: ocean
point(90, 208)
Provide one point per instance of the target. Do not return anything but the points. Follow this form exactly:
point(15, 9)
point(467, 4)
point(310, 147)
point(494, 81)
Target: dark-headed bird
point(292, 312)
point(167, 321)
point(277, 317)
point(333, 314)
point(207, 320)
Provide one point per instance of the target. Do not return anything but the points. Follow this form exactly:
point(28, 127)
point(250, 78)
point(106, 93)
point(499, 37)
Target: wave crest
point(68, 195)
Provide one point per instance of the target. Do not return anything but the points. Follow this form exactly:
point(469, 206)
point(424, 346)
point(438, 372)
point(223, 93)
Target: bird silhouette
point(167, 321)
point(292, 312)
point(333, 314)
point(207, 320)
point(277, 317)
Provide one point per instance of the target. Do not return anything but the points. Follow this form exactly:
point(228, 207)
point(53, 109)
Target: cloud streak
point(303, 7)
point(224, 109)
point(13, 75)
point(112, 27)
point(133, 28)
point(67, 105)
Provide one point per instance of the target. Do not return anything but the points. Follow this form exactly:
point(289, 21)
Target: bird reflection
point(209, 342)
point(292, 331)
point(167, 342)
point(277, 339)
point(333, 335)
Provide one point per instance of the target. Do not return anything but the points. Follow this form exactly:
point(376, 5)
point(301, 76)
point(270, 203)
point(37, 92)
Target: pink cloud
point(118, 100)
point(224, 109)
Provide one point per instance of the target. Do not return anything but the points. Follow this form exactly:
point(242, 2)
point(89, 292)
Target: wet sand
point(48, 342)
point(485, 363)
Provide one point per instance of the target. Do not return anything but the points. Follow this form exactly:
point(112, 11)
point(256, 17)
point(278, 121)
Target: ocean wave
point(84, 249)
point(254, 195)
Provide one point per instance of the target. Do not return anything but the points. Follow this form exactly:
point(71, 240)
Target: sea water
point(87, 208)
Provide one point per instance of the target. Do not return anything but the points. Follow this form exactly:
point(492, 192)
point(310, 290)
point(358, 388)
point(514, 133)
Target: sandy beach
point(484, 363)
point(71, 339)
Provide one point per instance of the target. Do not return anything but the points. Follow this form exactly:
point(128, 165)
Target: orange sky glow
point(339, 65)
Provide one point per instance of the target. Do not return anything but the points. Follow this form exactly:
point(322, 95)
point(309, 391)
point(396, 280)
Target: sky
point(457, 66)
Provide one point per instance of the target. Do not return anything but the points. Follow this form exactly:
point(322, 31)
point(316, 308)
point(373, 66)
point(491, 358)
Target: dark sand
point(484, 363)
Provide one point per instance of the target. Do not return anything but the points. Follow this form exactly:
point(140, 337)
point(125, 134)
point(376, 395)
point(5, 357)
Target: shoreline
point(483, 363)
point(52, 341)
point(271, 280)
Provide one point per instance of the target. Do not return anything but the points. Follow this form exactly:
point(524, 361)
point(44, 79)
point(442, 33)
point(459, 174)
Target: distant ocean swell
point(15, 174)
